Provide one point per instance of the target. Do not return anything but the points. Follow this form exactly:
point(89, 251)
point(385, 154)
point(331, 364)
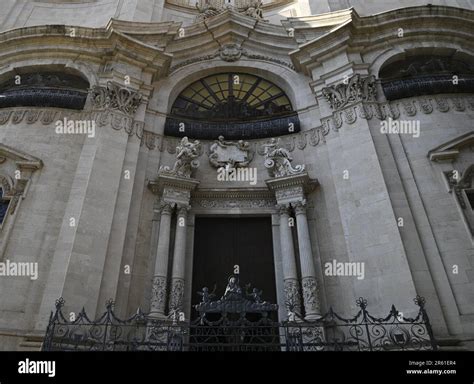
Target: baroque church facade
point(322, 150)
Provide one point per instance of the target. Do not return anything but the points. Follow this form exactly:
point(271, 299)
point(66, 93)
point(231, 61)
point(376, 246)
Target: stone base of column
point(176, 295)
point(311, 298)
point(158, 298)
point(293, 297)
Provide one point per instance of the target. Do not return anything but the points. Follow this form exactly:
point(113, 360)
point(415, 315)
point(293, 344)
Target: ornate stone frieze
point(393, 109)
point(289, 193)
point(170, 194)
point(260, 198)
point(115, 97)
point(278, 160)
point(357, 88)
point(158, 294)
point(234, 203)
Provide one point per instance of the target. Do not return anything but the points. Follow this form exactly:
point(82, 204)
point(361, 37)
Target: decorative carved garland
point(392, 109)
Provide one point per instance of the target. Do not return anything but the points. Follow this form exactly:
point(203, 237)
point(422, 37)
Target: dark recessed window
point(3, 206)
point(44, 89)
point(427, 75)
point(235, 105)
point(470, 197)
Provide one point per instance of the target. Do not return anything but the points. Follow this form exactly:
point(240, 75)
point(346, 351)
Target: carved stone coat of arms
point(230, 154)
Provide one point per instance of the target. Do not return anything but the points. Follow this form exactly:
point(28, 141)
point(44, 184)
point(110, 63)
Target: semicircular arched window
point(234, 105)
point(427, 75)
point(44, 89)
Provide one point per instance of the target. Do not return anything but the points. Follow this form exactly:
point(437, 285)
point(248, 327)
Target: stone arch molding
point(292, 83)
point(442, 48)
point(80, 68)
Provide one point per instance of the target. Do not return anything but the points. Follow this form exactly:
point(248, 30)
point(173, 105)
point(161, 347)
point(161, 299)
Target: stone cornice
point(302, 180)
point(164, 180)
point(191, 7)
point(363, 33)
point(23, 160)
point(204, 39)
point(409, 107)
point(94, 45)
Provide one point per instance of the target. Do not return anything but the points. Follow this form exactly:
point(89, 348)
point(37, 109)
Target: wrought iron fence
point(235, 332)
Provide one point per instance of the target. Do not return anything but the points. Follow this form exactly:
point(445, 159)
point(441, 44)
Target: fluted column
point(290, 275)
point(308, 271)
point(179, 262)
point(158, 294)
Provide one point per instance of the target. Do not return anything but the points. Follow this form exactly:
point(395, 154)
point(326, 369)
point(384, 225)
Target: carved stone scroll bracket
point(115, 97)
point(356, 88)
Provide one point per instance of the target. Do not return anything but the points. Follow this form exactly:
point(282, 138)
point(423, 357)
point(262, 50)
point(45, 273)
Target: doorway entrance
point(222, 243)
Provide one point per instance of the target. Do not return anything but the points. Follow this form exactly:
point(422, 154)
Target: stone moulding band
point(349, 115)
point(409, 107)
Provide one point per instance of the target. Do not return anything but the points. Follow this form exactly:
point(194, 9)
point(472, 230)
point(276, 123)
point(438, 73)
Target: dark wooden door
point(222, 243)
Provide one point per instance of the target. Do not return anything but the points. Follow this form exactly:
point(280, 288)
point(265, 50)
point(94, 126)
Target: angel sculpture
point(255, 10)
point(206, 11)
point(206, 296)
point(187, 153)
point(278, 160)
point(257, 295)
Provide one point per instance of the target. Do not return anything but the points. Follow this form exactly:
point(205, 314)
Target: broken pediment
point(22, 160)
point(450, 150)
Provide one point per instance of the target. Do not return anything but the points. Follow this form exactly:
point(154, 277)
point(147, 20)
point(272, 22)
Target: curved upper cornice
point(154, 47)
point(230, 27)
point(182, 4)
point(117, 42)
point(348, 30)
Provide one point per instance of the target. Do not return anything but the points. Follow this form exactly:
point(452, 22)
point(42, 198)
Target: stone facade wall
point(351, 219)
point(20, 13)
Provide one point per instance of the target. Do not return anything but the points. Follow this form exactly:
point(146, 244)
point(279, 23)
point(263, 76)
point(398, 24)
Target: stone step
point(30, 344)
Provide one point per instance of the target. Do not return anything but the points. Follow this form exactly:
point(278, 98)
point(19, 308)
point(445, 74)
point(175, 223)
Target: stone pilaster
point(308, 272)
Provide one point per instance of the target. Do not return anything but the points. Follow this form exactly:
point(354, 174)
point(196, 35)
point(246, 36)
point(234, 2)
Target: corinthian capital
point(283, 209)
point(357, 88)
point(166, 208)
point(115, 97)
point(300, 207)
